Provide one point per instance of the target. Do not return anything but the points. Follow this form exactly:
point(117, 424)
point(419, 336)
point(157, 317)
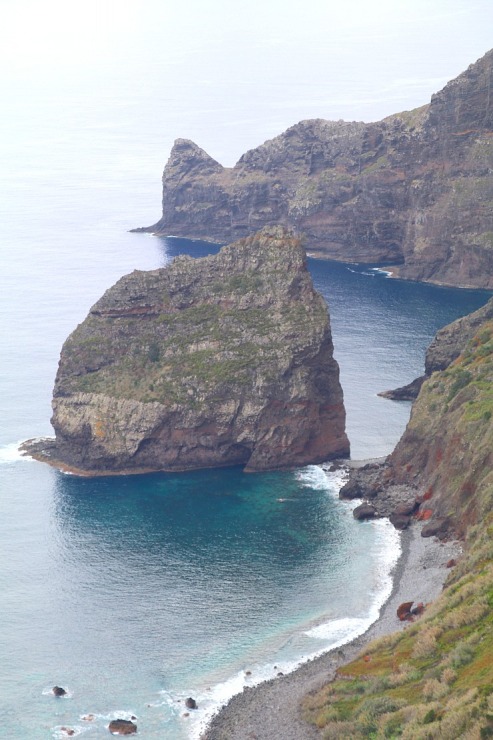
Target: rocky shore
point(272, 710)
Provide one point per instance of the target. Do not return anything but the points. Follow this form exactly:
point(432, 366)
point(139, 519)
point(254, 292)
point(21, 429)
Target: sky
point(247, 70)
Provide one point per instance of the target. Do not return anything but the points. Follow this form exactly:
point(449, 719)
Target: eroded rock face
point(444, 458)
point(225, 360)
point(414, 190)
point(450, 341)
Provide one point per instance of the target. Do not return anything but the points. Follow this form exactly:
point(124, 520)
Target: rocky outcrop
point(122, 727)
point(446, 347)
point(225, 360)
point(406, 392)
point(444, 459)
point(414, 191)
point(450, 341)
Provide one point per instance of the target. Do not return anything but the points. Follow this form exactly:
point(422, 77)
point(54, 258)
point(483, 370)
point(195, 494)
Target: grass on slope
point(434, 679)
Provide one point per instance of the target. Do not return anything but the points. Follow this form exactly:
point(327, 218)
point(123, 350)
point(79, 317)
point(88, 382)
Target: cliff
point(435, 679)
point(225, 360)
point(446, 451)
point(414, 191)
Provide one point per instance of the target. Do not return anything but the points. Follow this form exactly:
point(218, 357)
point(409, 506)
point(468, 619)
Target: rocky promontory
point(225, 360)
point(413, 191)
point(441, 467)
point(446, 347)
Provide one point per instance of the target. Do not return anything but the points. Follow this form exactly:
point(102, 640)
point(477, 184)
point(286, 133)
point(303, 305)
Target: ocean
point(135, 593)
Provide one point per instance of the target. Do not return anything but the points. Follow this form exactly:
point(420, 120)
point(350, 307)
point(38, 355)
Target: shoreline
point(271, 710)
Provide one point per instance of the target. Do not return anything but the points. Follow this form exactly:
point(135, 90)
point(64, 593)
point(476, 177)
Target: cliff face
point(414, 190)
point(218, 361)
point(435, 679)
point(446, 451)
point(444, 458)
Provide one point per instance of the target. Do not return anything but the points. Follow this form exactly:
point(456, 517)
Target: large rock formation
point(225, 360)
point(414, 190)
point(443, 461)
point(446, 451)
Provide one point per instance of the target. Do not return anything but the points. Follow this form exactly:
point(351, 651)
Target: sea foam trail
point(333, 633)
point(11, 453)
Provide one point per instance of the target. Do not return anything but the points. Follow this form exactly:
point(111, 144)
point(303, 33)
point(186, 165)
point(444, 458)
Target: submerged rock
point(225, 360)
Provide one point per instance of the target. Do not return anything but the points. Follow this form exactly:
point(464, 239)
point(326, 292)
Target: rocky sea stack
point(225, 360)
point(413, 191)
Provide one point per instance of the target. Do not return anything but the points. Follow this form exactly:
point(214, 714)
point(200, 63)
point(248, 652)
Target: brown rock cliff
point(225, 360)
point(414, 190)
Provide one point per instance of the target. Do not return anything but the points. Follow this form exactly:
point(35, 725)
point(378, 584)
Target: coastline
point(271, 710)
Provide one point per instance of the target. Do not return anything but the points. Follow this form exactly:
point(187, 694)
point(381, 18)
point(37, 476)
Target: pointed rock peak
point(187, 158)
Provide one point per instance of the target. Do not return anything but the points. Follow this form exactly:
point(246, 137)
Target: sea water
point(136, 592)
point(133, 593)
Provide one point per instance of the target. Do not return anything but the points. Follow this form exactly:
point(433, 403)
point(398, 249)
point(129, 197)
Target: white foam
point(117, 714)
point(314, 476)
point(60, 731)
point(332, 634)
point(11, 453)
point(210, 702)
point(337, 629)
point(387, 551)
point(387, 273)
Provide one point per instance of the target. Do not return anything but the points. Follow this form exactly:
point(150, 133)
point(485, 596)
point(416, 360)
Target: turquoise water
point(136, 592)
point(133, 593)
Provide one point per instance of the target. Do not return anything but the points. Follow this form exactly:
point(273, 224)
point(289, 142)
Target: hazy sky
point(251, 69)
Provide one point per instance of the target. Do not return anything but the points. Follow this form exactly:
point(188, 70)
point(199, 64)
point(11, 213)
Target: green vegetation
point(208, 334)
point(435, 679)
point(378, 164)
point(411, 118)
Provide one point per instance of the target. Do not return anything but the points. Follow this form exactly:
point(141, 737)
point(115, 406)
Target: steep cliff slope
point(414, 190)
point(217, 361)
point(435, 679)
point(447, 448)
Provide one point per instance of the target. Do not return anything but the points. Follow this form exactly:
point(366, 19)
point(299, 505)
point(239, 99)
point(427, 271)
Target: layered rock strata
point(225, 360)
point(414, 191)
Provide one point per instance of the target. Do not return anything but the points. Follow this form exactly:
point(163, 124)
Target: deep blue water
point(134, 593)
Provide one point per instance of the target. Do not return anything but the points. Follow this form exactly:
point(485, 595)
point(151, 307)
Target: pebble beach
point(271, 710)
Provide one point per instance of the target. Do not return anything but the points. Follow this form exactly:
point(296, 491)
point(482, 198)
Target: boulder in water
point(122, 727)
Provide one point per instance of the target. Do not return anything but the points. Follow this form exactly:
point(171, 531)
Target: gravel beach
point(270, 711)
